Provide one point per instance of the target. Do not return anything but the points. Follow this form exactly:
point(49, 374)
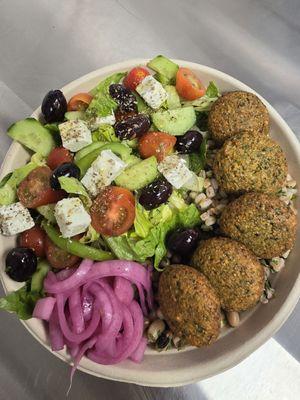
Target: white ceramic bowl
point(175, 368)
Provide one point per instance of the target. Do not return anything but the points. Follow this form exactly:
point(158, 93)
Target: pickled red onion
point(92, 310)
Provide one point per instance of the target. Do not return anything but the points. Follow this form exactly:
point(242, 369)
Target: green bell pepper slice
point(75, 247)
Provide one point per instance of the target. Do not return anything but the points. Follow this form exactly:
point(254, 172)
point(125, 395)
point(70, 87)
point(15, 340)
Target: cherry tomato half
point(58, 156)
point(59, 258)
point(34, 238)
point(158, 144)
point(135, 77)
point(113, 211)
point(79, 102)
point(35, 189)
point(188, 85)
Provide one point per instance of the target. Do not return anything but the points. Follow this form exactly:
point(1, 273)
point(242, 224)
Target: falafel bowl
point(223, 223)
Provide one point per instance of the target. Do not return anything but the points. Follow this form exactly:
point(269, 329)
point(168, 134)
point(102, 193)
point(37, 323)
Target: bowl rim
point(237, 355)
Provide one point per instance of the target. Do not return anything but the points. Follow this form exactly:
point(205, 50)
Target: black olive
point(54, 106)
point(132, 127)
point(66, 169)
point(155, 194)
point(190, 142)
point(20, 264)
point(124, 97)
point(163, 341)
point(183, 241)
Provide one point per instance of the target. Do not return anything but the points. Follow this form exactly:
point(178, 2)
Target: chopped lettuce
point(151, 229)
point(102, 104)
point(74, 186)
point(90, 236)
point(21, 302)
point(105, 133)
point(142, 225)
point(9, 184)
point(205, 102)
point(47, 211)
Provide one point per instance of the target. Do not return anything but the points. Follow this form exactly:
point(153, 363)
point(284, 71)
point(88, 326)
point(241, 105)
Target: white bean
point(233, 318)
point(210, 192)
point(193, 195)
point(200, 197)
point(205, 216)
point(204, 204)
point(155, 330)
point(206, 183)
point(210, 221)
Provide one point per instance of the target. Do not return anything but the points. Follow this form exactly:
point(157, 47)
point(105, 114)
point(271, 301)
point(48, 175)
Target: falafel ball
point(237, 112)
point(233, 271)
point(248, 163)
point(264, 223)
point(190, 305)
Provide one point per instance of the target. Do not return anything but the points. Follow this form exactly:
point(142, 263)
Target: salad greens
point(151, 228)
point(23, 300)
point(102, 104)
point(205, 102)
point(105, 133)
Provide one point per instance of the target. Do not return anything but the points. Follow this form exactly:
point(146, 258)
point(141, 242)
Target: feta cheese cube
point(94, 123)
point(102, 172)
point(152, 92)
point(71, 217)
point(15, 218)
point(175, 170)
point(75, 135)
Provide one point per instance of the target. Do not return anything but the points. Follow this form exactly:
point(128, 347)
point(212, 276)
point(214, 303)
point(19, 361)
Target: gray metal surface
point(45, 44)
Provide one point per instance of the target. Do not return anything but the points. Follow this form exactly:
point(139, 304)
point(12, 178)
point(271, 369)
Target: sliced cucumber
point(173, 100)
point(138, 175)
point(88, 149)
point(32, 134)
point(37, 280)
point(164, 66)
point(176, 122)
point(74, 115)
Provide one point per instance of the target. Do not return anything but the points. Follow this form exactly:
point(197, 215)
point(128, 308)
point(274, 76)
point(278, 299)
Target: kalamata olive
point(189, 143)
point(155, 194)
point(132, 127)
point(66, 169)
point(124, 97)
point(183, 241)
point(20, 264)
point(54, 106)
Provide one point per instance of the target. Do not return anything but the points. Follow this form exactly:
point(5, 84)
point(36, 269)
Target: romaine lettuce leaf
point(105, 133)
point(21, 302)
point(102, 104)
point(90, 236)
point(74, 186)
point(205, 102)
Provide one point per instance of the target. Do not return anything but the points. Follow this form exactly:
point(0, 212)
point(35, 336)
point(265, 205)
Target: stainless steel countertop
point(45, 44)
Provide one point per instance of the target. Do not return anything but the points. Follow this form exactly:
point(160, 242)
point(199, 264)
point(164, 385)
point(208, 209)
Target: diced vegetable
point(75, 247)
